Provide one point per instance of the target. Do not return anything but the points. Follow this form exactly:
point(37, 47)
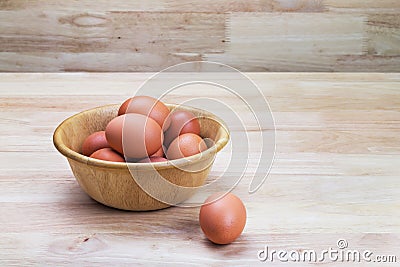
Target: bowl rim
point(73, 155)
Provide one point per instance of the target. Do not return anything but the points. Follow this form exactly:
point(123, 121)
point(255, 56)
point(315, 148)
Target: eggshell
point(134, 135)
point(94, 142)
point(182, 122)
point(223, 220)
point(186, 145)
point(152, 159)
point(107, 154)
point(159, 153)
point(147, 106)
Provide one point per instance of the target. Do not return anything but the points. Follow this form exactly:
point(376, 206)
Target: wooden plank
point(142, 62)
point(363, 6)
point(325, 180)
point(354, 6)
point(368, 63)
point(89, 248)
point(48, 84)
point(253, 63)
point(297, 165)
point(272, 35)
point(170, 5)
point(296, 33)
point(93, 62)
point(298, 6)
point(291, 42)
point(105, 41)
point(330, 198)
point(83, 5)
point(134, 32)
point(54, 31)
point(345, 136)
point(168, 32)
point(384, 34)
point(219, 6)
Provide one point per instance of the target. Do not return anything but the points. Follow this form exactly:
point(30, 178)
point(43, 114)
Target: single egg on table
point(222, 218)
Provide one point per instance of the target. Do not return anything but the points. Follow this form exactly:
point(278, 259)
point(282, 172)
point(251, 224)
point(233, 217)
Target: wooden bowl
point(115, 184)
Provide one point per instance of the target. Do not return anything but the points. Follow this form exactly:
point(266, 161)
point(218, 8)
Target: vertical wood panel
point(83, 5)
point(305, 34)
point(368, 63)
point(97, 62)
point(292, 41)
point(257, 35)
point(168, 32)
point(111, 31)
point(363, 6)
point(50, 31)
point(384, 34)
point(134, 5)
point(352, 6)
point(298, 6)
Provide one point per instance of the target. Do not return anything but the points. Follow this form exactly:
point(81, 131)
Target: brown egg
point(147, 106)
point(222, 221)
point(152, 159)
point(159, 153)
point(182, 122)
point(94, 142)
point(186, 145)
point(134, 135)
point(124, 106)
point(107, 154)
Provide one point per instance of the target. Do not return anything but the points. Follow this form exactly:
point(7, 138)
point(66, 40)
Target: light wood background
point(257, 35)
point(336, 175)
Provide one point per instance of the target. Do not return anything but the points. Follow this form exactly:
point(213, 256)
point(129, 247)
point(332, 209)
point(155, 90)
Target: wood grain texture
point(134, 32)
point(384, 34)
point(335, 175)
point(286, 35)
point(363, 6)
point(285, 42)
point(171, 5)
point(354, 6)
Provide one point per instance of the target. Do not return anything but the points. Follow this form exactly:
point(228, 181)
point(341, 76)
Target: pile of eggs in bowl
point(146, 131)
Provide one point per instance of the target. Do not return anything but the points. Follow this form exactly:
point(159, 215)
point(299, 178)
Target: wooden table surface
point(335, 176)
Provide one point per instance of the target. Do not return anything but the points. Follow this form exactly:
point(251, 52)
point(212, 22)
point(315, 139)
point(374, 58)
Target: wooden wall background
point(258, 35)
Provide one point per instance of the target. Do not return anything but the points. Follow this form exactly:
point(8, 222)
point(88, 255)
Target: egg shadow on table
point(168, 220)
point(234, 249)
point(183, 222)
